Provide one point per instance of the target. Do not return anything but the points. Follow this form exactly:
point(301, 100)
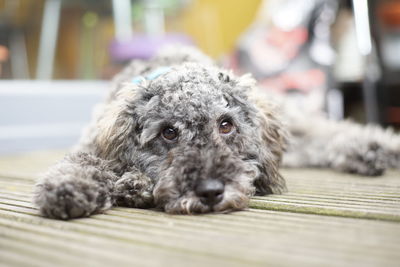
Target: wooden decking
point(327, 219)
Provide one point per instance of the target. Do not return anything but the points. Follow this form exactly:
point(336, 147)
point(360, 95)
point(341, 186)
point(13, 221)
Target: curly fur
point(123, 159)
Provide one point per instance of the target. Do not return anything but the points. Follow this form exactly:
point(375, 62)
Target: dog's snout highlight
point(210, 191)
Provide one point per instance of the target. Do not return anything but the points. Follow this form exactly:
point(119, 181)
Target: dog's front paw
point(68, 194)
point(134, 190)
point(367, 159)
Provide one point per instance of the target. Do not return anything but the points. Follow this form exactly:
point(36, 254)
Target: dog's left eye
point(225, 127)
point(169, 133)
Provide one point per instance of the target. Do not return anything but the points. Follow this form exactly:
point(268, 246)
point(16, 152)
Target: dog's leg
point(134, 189)
point(78, 186)
point(344, 146)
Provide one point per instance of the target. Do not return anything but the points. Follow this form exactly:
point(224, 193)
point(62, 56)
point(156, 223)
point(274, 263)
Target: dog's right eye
point(169, 133)
point(225, 127)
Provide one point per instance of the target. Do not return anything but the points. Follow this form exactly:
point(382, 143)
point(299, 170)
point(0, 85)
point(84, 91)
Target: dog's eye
point(225, 127)
point(169, 133)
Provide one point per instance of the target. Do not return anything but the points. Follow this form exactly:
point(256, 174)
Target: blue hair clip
point(152, 76)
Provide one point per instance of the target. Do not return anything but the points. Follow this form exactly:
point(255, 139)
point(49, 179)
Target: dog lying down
point(182, 135)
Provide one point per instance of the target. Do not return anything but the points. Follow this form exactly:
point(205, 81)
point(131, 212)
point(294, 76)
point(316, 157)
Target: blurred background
point(56, 56)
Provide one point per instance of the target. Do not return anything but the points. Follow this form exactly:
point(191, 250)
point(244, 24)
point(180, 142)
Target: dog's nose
point(210, 191)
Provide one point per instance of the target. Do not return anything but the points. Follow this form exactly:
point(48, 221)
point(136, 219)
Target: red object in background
point(303, 81)
point(390, 13)
point(288, 42)
point(3, 53)
point(393, 115)
point(3, 56)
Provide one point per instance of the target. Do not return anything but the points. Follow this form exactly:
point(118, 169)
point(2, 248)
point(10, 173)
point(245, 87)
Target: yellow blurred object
point(215, 25)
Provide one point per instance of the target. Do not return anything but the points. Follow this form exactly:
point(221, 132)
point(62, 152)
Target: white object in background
point(122, 19)
point(37, 115)
point(391, 50)
point(349, 65)
point(361, 17)
point(335, 104)
point(48, 39)
point(154, 18)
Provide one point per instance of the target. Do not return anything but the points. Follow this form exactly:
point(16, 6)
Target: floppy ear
point(116, 127)
point(273, 140)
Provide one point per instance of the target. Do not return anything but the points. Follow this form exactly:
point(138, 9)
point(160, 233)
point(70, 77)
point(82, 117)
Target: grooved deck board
point(326, 219)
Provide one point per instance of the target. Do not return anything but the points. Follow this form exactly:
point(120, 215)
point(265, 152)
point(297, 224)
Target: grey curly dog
point(180, 134)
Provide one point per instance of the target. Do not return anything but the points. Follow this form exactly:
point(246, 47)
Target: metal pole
point(362, 26)
point(122, 19)
point(48, 39)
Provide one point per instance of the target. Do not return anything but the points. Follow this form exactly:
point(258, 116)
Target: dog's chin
point(186, 205)
point(233, 200)
point(191, 204)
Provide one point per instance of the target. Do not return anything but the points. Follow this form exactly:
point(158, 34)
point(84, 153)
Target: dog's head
point(200, 134)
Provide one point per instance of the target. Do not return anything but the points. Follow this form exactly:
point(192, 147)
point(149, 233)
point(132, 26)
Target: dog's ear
point(273, 137)
point(115, 129)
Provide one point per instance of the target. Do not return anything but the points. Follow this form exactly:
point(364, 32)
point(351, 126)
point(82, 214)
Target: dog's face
point(199, 136)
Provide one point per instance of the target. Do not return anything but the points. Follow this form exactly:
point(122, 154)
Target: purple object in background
point(144, 46)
